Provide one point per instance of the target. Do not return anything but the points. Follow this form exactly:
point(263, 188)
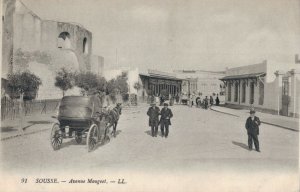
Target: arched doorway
point(64, 41)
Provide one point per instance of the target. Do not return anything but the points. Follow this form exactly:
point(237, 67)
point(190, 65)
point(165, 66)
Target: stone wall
point(32, 43)
point(97, 65)
point(8, 9)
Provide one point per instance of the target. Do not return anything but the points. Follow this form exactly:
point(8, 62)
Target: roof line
point(243, 76)
point(70, 22)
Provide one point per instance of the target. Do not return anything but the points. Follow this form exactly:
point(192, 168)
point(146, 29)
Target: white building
point(267, 87)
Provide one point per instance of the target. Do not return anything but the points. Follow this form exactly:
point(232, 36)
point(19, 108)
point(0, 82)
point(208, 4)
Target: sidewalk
point(11, 128)
point(289, 123)
point(35, 123)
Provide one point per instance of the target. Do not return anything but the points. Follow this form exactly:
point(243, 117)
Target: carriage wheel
point(106, 138)
point(78, 138)
point(92, 137)
point(56, 137)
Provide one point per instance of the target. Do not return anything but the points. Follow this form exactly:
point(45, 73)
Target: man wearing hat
point(252, 126)
point(153, 113)
point(165, 120)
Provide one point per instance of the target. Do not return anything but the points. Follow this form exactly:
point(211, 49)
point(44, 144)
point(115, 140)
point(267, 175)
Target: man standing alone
point(153, 113)
point(252, 126)
point(165, 120)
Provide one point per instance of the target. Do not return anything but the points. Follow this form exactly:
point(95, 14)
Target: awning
point(161, 76)
point(243, 76)
point(252, 77)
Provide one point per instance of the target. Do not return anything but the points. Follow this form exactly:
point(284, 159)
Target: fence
point(10, 109)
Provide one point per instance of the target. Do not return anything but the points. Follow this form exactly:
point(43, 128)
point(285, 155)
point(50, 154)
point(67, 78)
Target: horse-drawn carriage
point(83, 116)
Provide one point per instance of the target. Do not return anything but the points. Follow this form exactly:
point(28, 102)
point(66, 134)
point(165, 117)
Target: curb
point(264, 122)
point(291, 129)
point(19, 135)
point(224, 112)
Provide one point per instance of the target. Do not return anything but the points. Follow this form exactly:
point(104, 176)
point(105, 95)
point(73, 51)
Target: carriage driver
point(153, 113)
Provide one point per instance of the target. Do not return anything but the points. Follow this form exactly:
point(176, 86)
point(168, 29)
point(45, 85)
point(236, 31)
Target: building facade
point(153, 82)
point(200, 82)
point(264, 86)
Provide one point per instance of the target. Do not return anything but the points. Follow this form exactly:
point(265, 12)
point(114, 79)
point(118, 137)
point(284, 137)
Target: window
point(85, 46)
point(236, 92)
point(244, 92)
point(229, 92)
point(261, 93)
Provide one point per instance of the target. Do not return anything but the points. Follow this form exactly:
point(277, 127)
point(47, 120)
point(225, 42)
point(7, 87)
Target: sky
point(183, 34)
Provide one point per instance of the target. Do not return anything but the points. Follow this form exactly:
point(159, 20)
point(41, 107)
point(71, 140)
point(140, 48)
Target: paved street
point(204, 149)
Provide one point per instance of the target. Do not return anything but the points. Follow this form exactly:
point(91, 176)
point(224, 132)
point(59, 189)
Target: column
point(278, 81)
point(293, 91)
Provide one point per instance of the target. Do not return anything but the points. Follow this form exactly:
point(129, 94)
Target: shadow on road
point(242, 145)
point(149, 133)
point(32, 123)
point(8, 129)
point(40, 122)
point(71, 141)
point(118, 132)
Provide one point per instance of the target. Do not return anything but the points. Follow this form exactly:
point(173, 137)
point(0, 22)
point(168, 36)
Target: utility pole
point(117, 64)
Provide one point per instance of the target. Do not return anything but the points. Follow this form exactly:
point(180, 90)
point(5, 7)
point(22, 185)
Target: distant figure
point(217, 100)
point(156, 99)
point(177, 98)
point(153, 113)
point(192, 100)
point(252, 126)
point(198, 101)
point(211, 100)
point(206, 102)
point(152, 99)
point(165, 120)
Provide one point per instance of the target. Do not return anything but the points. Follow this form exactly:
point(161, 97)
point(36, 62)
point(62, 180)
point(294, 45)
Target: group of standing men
point(205, 103)
point(165, 119)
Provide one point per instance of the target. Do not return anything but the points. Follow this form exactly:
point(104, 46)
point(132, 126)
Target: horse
point(112, 118)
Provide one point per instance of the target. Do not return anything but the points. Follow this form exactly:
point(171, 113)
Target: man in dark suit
point(165, 120)
point(252, 126)
point(153, 113)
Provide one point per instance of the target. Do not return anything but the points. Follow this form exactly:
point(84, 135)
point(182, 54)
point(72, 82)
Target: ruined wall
point(8, 9)
point(97, 65)
point(35, 45)
point(81, 42)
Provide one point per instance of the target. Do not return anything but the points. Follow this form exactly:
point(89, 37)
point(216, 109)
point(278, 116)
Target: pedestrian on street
point(192, 100)
point(165, 120)
point(206, 102)
point(217, 100)
point(211, 100)
point(177, 99)
point(156, 98)
point(252, 126)
point(198, 101)
point(153, 113)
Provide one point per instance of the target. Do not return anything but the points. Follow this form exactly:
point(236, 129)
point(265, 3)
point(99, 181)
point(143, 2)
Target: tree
point(118, 86)
point(101, 84)
point(64, 80)
point(87, 81)
point(111, 89)
point(122, 85)
point(23, 83)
